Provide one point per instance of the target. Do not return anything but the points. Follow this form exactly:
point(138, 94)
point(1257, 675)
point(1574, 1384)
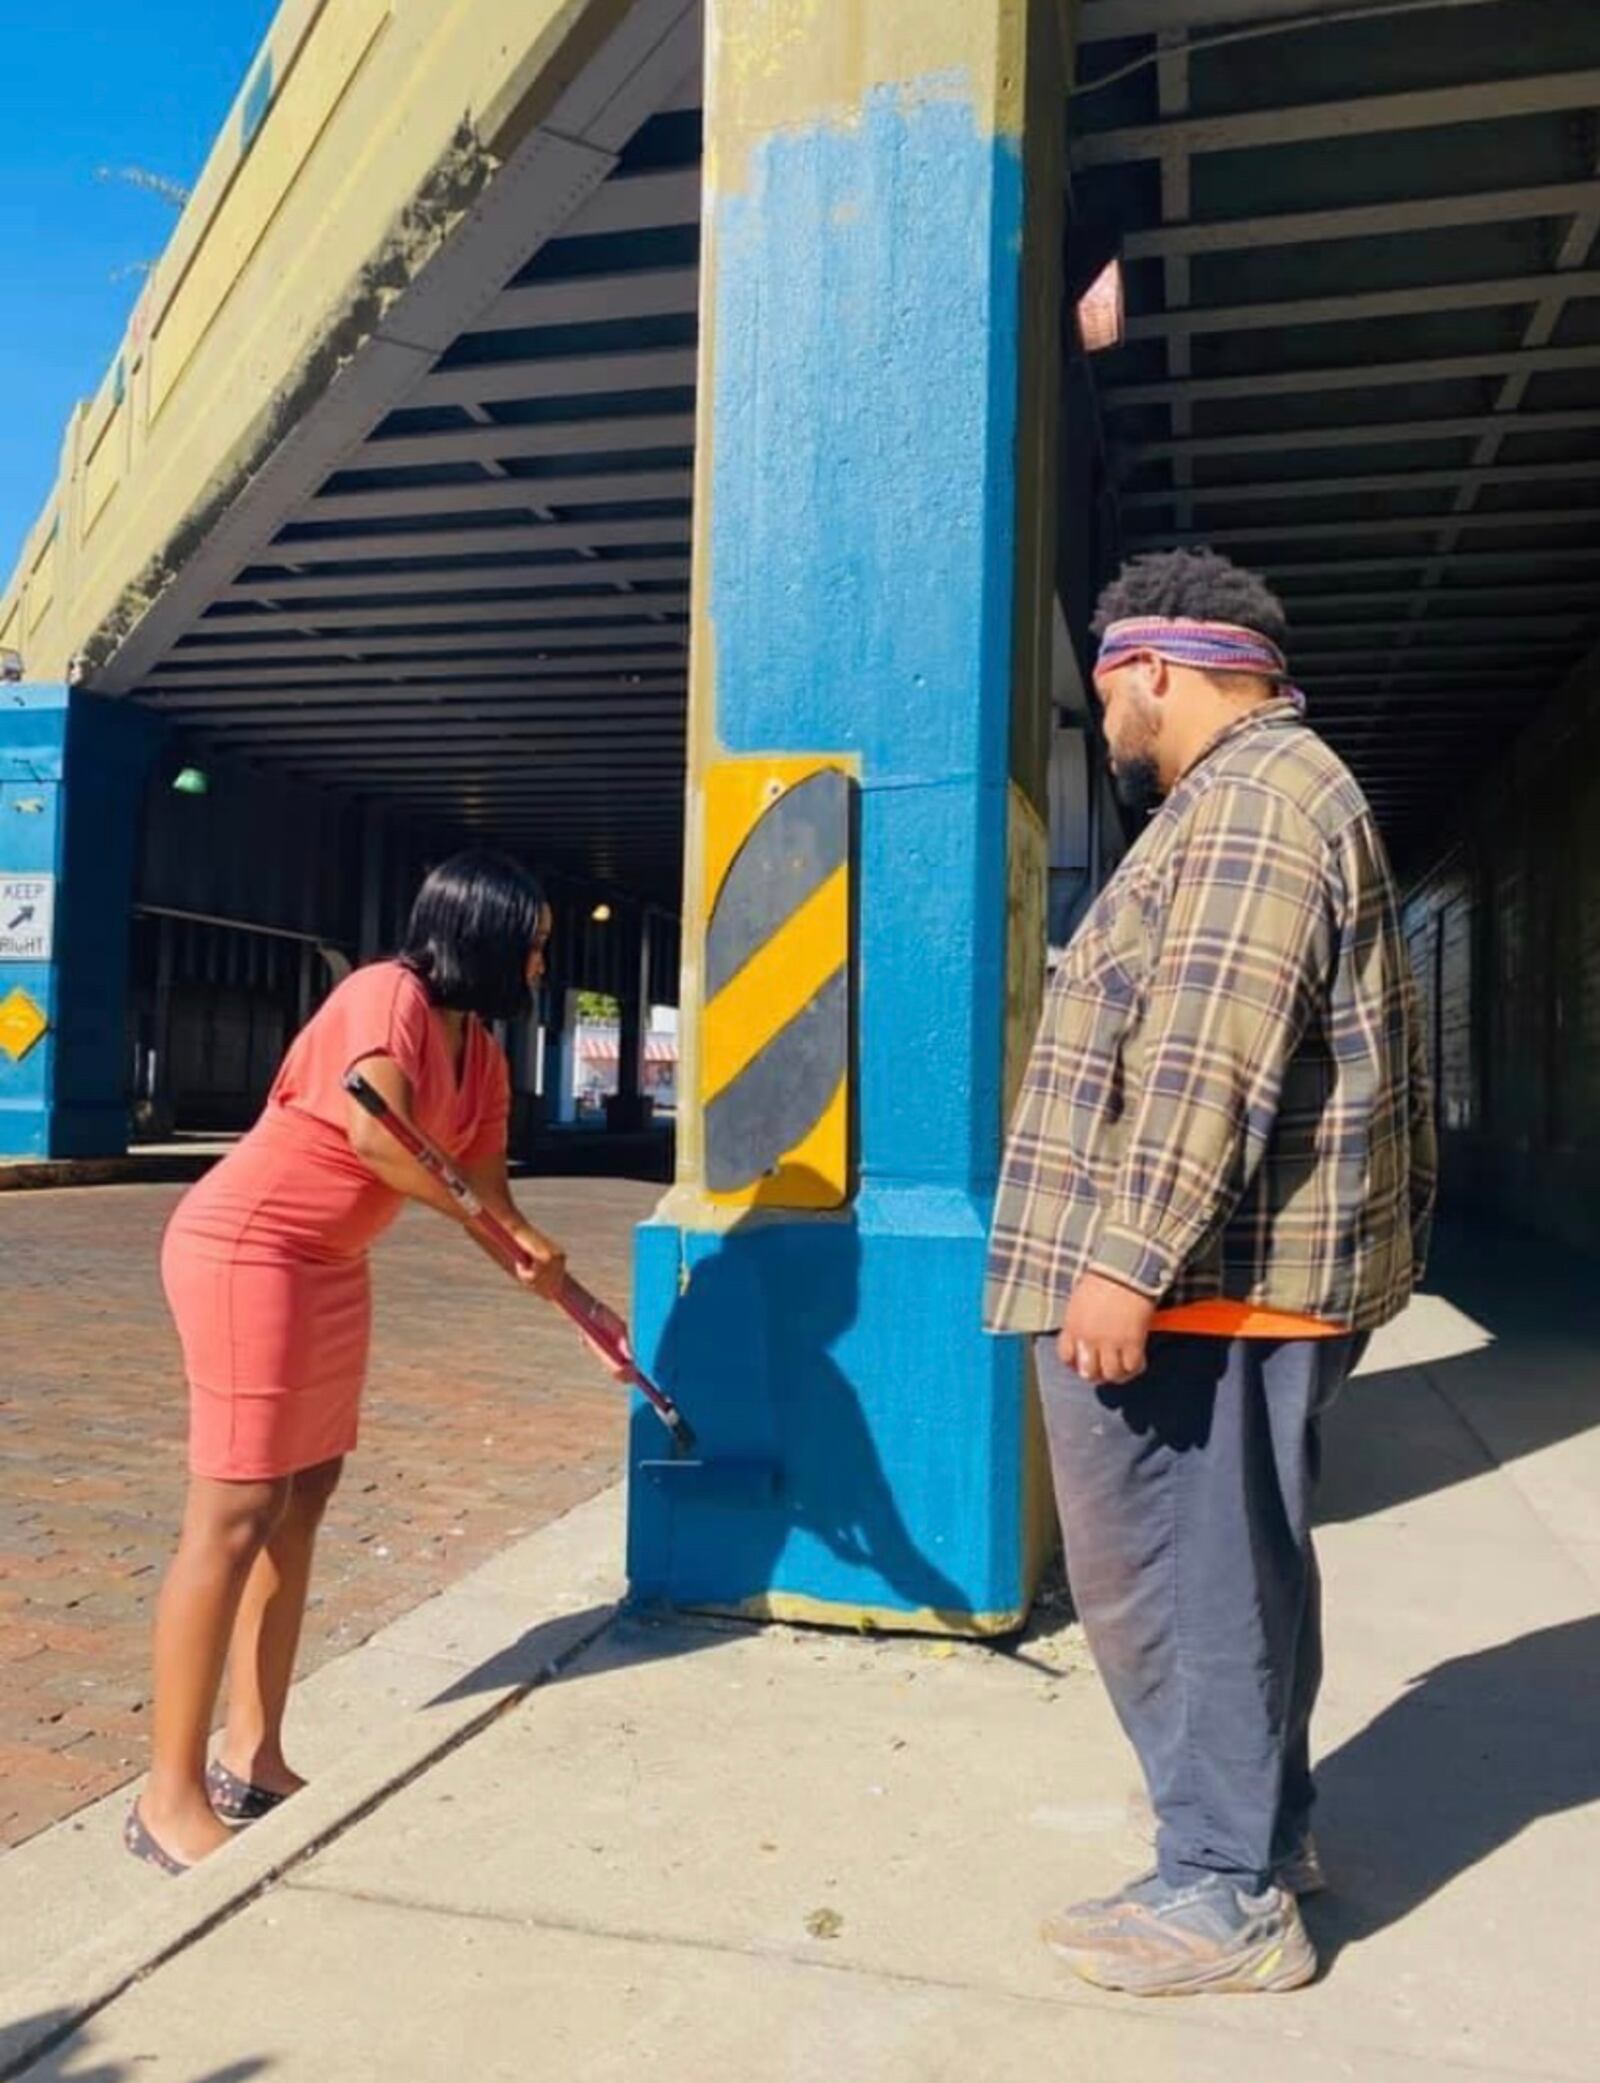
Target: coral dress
point(265, 1261)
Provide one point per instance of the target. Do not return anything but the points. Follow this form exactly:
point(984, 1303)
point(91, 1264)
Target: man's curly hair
point(1196, 586)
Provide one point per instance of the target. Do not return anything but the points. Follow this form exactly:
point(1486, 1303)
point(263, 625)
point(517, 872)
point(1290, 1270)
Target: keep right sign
point(27, 917)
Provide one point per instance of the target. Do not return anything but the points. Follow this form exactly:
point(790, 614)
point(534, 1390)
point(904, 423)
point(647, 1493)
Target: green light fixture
point(192, 781)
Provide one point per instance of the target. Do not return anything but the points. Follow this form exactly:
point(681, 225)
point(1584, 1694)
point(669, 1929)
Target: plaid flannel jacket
point(1228, 1097)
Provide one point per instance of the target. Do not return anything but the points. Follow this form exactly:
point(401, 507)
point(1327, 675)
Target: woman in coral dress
point(265, 1266)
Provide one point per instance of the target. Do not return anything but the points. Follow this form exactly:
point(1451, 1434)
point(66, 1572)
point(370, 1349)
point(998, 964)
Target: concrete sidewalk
point(719, 1851)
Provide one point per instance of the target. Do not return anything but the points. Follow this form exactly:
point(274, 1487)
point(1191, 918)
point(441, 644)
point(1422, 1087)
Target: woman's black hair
point(1195, 586)
point(472, 930)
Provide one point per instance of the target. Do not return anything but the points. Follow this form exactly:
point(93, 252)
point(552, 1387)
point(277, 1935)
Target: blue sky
point(88, 84)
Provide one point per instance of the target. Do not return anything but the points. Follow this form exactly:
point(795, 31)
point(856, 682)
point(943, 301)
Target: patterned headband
point(1214, 647)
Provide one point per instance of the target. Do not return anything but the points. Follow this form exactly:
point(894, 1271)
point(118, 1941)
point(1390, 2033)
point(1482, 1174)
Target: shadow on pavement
point(1470, 1755)
point(1524, 1376)
point(73, 2059)
point(540, 1653)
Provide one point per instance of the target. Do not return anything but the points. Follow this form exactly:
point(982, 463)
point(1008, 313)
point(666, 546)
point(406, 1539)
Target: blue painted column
point(874, 516)
point(72, 776)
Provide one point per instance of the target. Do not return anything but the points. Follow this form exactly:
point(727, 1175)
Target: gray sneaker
point(1209, 1938)
point(1302, 1872)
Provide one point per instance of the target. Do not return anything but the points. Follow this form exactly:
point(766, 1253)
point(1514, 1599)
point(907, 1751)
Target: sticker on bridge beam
point(775, 1037)
point(23, 1022)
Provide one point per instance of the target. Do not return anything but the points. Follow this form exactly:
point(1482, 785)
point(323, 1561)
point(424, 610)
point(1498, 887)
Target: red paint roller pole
point(597, 1323)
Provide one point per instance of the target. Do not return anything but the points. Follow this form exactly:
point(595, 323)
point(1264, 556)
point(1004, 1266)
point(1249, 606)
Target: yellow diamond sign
point(22, 1022)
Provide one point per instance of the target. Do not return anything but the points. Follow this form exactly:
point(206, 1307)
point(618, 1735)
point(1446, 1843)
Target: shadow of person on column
point(1469, 1756)
point(751, 1351)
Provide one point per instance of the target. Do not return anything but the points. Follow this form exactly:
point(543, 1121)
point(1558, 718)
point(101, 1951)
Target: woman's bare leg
point(266, 1635)
point(225, 1528)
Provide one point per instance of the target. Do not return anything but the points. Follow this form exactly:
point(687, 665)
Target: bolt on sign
point(775, 1039)
point(23, 1022)
point(27, 917)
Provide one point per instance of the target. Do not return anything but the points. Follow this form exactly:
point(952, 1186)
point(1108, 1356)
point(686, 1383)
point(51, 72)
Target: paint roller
point(598, 1324)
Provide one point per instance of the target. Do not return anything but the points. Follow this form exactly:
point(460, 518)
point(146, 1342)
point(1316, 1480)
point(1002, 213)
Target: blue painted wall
point(72, 772)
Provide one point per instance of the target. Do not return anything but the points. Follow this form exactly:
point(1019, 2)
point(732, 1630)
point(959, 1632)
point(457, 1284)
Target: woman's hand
point(544, 1267)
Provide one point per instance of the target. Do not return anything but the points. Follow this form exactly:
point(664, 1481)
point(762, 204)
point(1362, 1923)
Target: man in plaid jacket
point(1218, 1183)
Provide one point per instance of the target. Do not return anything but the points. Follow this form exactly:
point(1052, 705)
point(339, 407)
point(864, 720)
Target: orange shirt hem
point(1240, 1320)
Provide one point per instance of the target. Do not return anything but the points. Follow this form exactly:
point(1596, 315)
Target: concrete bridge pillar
point(865, 894)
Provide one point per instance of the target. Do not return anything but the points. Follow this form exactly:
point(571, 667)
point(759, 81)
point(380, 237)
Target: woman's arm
point(388, 1161)
point(379, 1151)
point(490, 1181)
point(385, 1158)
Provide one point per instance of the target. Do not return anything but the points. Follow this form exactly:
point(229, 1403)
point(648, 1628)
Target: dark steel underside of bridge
point(1363, 355)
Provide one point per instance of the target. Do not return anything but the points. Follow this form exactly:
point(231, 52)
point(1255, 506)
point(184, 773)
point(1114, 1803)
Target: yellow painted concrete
point(102, 473)
point(371, 99)
point(798, 1611)
point(1027, 886)
point(305, 104)
point(41, 588)
point(703, 867)
point(779, 64)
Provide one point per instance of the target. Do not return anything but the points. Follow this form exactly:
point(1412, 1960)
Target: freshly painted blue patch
point(863, 526)
point(863, 545)
point(862, 554)
point(845, 1353)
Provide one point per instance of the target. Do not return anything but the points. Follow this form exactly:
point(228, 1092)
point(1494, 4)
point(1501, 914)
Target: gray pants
point(1185, 1502)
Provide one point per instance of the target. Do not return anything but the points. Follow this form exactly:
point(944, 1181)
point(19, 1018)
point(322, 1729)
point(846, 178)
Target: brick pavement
point(484, 1420)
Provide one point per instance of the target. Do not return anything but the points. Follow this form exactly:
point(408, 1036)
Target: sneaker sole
point(1269, 1969)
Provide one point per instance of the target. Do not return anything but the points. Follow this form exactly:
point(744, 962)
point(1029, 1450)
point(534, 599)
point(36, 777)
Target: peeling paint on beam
point(458, 179)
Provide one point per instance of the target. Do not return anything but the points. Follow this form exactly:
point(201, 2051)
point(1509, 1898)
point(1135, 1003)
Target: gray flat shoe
point(137, 1841)
point(237, 1800)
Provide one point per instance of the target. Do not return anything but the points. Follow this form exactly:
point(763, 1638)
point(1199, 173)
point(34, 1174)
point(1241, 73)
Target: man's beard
point(1137, 781)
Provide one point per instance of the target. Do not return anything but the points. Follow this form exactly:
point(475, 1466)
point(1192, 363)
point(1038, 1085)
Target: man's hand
point(1106, 1331)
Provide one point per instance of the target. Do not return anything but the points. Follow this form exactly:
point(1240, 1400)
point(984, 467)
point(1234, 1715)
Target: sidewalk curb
point(33, 1175)
point(50, 2004)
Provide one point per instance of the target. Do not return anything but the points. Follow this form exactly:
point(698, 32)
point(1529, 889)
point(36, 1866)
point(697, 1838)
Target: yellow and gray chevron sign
point(775, 1036)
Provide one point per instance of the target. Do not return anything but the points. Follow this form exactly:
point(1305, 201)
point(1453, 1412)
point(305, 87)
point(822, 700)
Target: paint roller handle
point(606, 1335)
point(492, 1234)
point(603, 1330)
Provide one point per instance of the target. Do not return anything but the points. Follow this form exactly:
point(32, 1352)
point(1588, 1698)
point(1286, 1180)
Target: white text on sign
point(27, 917)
